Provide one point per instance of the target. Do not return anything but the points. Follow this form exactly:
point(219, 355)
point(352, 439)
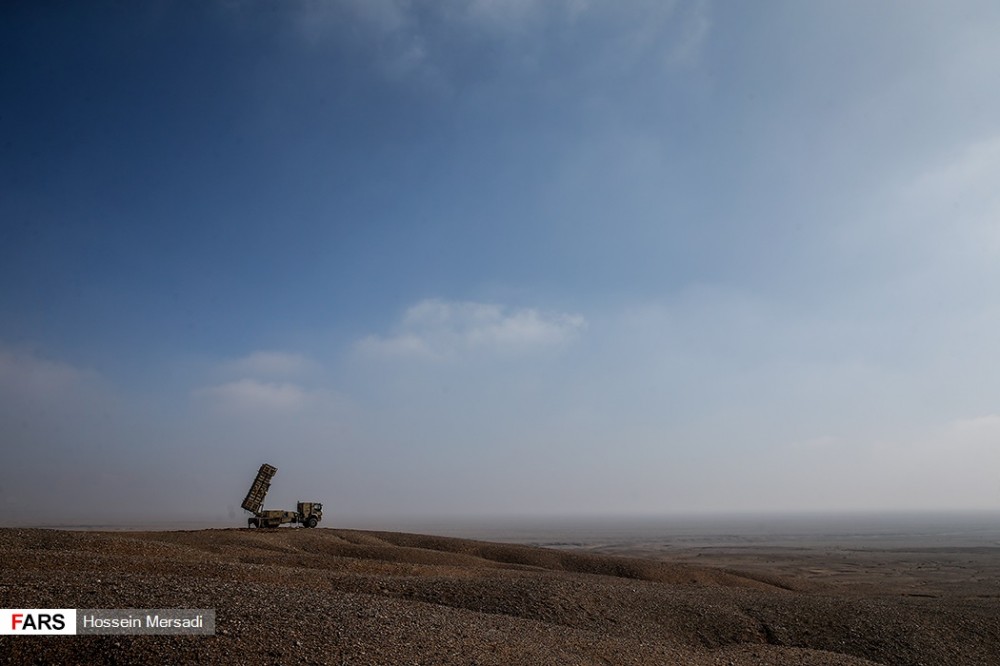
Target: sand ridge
point(329, 596)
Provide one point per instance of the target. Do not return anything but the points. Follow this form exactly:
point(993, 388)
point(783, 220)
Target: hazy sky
point(499, 256)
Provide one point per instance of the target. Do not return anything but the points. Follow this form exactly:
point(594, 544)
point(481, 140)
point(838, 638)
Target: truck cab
point(310, 513)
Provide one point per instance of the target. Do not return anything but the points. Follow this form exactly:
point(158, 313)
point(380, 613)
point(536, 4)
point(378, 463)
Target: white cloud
point(28, 374)
point(401, 345)
point(972, 445)
point(816, 443)
point(941, 216)
point(959, 197)
point(442, 329)
point(251, 395)
point(948, 466)
point(67, 433)
point(693, 33)
point(503, 13)
point(316, 20)
point(271, 364)
point(405, 40)
point(48, 402)
point(982, 429)
point(953, 467)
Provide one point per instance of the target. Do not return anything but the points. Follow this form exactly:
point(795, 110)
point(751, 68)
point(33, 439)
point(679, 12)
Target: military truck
point(307, 513)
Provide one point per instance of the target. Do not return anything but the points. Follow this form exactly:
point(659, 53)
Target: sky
point(498, 257)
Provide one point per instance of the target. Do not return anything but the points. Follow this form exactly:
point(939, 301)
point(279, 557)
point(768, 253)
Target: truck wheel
point(311, 521)
point(252, 522)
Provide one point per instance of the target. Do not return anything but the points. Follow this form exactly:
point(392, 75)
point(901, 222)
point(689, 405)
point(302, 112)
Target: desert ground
point(338, 596)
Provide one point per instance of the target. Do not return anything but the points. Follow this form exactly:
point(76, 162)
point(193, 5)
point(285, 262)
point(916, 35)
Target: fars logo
point(37, 621)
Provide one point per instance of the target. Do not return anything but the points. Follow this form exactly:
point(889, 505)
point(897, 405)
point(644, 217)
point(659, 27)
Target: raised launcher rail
point(254, 500)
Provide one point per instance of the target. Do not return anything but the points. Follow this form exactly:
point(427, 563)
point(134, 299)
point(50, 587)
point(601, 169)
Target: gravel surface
point(327, 596)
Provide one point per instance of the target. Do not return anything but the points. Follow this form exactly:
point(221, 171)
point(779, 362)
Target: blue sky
point(500, 256)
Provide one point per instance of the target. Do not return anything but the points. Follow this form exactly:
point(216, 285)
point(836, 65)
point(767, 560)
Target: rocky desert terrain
point(333, 596)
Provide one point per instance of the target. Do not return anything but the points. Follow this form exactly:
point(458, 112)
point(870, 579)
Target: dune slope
point(329, 596)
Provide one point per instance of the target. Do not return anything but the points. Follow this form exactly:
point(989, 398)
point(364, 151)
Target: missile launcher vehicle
point(307, 513)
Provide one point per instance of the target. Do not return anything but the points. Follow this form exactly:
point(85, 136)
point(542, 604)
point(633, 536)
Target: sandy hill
point(328, 596)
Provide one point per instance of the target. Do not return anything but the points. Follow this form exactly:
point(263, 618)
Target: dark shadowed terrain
point(331, 596)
